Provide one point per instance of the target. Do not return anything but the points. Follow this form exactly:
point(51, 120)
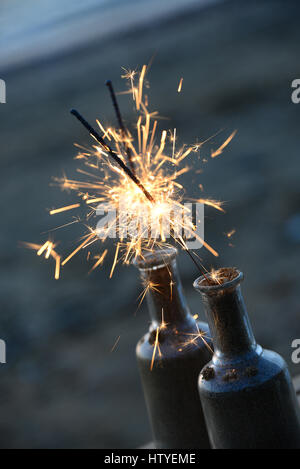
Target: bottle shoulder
point(263, 368)
point(174, 343)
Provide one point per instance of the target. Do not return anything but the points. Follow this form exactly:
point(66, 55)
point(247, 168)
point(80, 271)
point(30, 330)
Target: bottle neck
point(165, 298)
point(229, 322)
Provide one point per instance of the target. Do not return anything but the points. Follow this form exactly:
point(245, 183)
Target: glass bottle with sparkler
point(171, 355)
point(246, 391)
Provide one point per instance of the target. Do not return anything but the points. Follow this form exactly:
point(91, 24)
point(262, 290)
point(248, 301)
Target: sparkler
point(132, 172)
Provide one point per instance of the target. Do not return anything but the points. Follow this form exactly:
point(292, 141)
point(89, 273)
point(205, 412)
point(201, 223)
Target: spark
point(172, 284)
point(81, 246)
point(94, 201)
point(100, 260)
point(155, 348)
point(217, 276)
point(224, 145)
point(64, 209)
point(149, 286)
point(62, 226)
point(48, 248)
point(130, 75)
point(140, 90)
point(115, 261)
point(115, 344)
point(180, 85)
point(230, 233)
point(173, 139)
point(194, 338)
point(163, 324)
point(57, 265)
point(43, 248)
point(212, 203)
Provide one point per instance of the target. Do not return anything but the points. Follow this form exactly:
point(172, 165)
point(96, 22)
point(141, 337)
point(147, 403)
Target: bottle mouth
point(221, 279)
point(155, 259)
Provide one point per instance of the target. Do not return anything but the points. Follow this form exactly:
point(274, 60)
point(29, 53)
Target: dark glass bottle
point(170, 381)
point(246, 391)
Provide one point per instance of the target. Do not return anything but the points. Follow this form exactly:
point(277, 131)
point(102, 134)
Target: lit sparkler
point(133, 172)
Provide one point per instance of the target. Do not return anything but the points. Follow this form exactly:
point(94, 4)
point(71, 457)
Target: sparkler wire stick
point(121, 122)
point(191, 255)
point(195, 262)
point(113, 155)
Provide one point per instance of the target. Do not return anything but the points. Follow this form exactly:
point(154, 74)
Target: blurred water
point(34, 27)
point(19, 18)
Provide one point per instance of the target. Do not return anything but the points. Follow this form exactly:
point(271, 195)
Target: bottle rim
point(199, 283)
point(155, 259)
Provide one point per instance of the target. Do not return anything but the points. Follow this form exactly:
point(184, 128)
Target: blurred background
point(63, 387)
